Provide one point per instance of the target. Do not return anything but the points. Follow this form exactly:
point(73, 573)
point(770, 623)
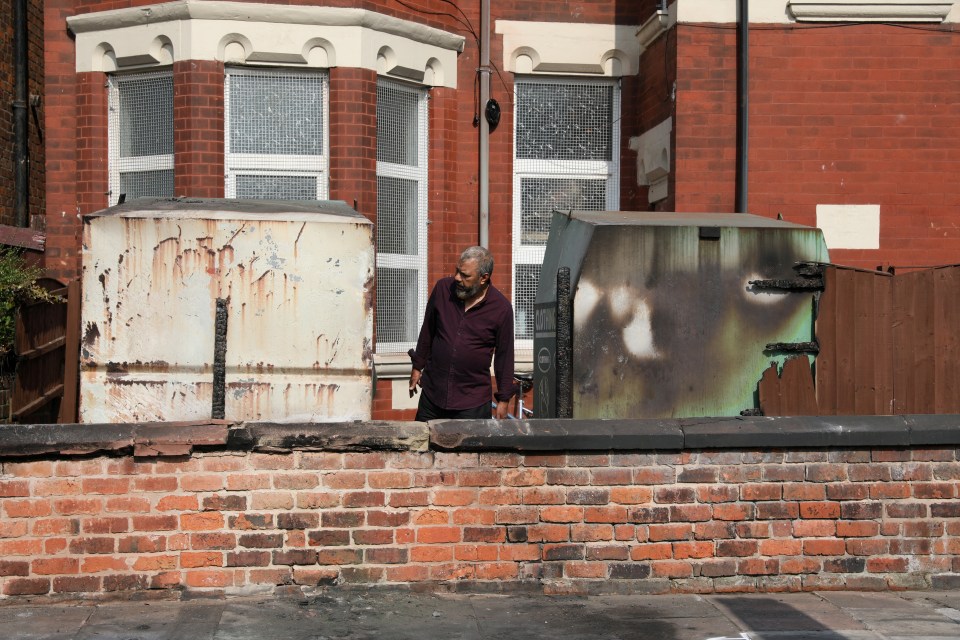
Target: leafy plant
point(18, 285)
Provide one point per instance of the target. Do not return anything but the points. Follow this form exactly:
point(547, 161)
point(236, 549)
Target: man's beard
point(465, 293)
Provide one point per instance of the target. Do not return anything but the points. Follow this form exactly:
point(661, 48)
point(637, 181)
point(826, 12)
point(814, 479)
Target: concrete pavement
point(353, 614)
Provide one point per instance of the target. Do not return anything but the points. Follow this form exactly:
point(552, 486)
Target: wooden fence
point(889, 345)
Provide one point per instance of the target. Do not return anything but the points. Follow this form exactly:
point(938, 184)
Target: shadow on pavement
point(805, 616)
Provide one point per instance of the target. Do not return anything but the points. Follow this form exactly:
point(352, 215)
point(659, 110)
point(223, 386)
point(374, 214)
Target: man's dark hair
point(483, 257)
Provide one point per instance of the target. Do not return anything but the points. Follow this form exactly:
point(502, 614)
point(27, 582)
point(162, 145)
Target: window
point(141, 135)
point(566, 156)
point(276, 134)
point(401, 214)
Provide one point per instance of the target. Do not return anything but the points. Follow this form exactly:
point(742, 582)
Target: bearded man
point(467, 322)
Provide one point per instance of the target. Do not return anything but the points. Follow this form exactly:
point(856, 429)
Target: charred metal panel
point(666, 320)
point(296, 280)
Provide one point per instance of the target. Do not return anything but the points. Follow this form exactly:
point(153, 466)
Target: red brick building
point(605, 105)
point(30, 106)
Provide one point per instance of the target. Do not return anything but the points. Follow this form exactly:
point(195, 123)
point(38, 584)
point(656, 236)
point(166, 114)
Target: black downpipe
point(21, 169)
point(743, 95)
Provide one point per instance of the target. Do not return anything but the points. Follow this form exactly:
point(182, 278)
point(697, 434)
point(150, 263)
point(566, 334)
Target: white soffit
point(876, 11)
point(849, 226)
point(792, 11)
point(264, 34)
point(569, 48)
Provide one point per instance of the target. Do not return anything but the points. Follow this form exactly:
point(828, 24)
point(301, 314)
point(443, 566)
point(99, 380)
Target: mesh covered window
point(141, 135)
point(276, 134)
point(401, 214)
point(566, 157)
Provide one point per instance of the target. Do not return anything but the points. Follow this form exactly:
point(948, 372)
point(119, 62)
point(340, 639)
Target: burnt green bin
point(673, 314)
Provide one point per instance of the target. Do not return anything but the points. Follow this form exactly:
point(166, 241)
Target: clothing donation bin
point(238, 309)
point(668, 315)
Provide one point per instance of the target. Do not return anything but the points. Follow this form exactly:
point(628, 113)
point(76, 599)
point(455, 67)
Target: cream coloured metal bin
point(294, 286)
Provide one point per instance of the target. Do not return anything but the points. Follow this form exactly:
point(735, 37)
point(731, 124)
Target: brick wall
point(61, 253)
point(198, 129)
point(832, 121)
point(744, 519)
point(35, 83)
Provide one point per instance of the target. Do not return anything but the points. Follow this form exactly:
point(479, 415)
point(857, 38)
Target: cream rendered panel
point(850, 226)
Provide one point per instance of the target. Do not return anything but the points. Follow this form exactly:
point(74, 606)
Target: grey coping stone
point(740, 432)
point(555, 435)
point(800, 431)
point(333, 436)
point(933, 429)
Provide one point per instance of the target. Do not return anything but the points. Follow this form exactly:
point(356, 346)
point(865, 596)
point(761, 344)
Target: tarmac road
point(340, 614)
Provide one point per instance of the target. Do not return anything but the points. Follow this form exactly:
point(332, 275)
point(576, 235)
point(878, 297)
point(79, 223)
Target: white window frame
point(284, 165)
point(419, 174)
point(131, 164)
point(525, 168)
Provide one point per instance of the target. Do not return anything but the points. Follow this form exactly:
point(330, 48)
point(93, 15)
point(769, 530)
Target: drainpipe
point(20, 152)
point(484, 173)
point(743, 78)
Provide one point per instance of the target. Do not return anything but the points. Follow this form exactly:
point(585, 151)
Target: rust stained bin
point(294, 283)
point(665, 322)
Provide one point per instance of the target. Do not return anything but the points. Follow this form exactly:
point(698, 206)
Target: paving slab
point(158, 620)
point(792, 612)
point(44, 622)
point(894, 616)
point(368, 614)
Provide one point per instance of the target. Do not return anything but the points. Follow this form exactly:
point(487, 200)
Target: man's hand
point(414, 381)
point(501, 411)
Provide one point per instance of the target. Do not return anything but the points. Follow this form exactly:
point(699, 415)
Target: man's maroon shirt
point(455, 347)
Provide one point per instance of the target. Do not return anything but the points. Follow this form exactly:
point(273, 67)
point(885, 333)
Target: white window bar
point(401, 214)
point(566, 155)
point(277, 135)
point(140, 135)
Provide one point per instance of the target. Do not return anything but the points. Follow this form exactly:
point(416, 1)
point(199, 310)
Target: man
point(467, 321)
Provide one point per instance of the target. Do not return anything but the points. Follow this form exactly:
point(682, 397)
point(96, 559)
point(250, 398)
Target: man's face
point(469, 282)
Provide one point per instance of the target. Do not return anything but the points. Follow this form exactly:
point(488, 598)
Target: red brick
point(433, 535)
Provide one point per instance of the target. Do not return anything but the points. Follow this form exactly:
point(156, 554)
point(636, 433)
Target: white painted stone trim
point(567, 48)
point(265, 34)
point(849, 226)
point(653, 159)
point(792, 11)
point(876, 11)
point(658, 24)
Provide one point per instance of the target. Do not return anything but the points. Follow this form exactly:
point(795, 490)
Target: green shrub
point(18, 285)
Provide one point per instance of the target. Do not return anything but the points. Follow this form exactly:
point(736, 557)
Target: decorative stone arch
point(263, 34)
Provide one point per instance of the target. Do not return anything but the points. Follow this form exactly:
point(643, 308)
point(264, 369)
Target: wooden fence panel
point(39, 345)
point(888, 345)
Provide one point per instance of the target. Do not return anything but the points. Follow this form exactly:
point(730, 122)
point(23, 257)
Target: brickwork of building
point(198, 128)
point(691, 521)
point(35, 87)
point(831, 122)
point(62, 249)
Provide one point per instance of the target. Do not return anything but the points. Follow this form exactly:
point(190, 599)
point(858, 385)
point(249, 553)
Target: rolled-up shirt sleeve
point(503, 360)
point(421, 355)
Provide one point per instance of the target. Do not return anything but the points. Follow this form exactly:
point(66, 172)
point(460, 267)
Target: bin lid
point(670, 219)
point(233, 209)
